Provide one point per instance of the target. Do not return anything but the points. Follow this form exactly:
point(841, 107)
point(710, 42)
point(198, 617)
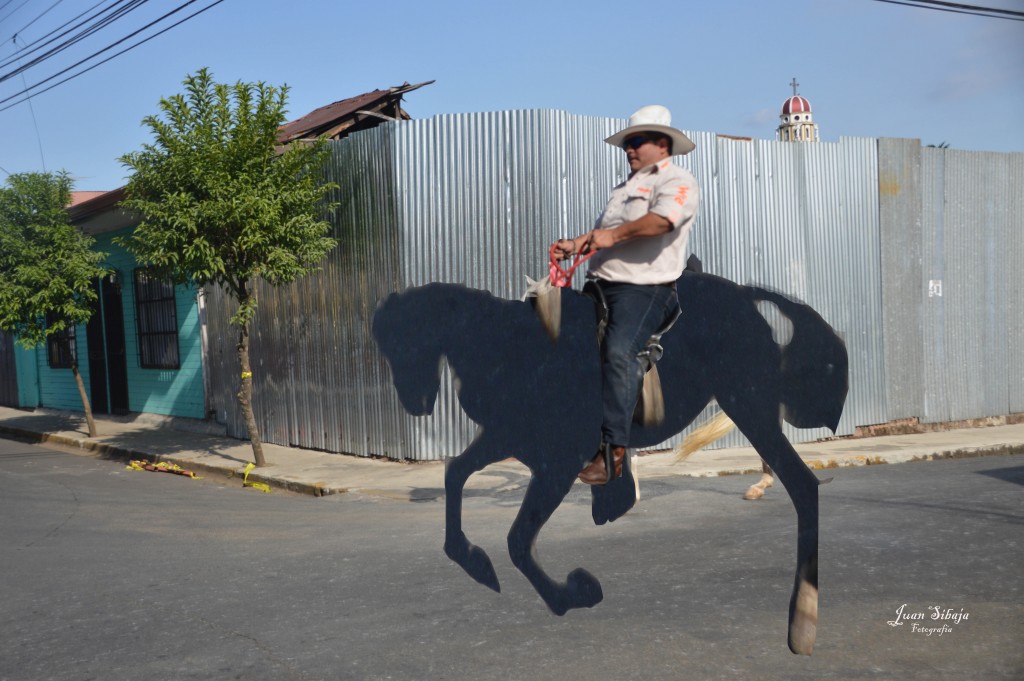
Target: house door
point(8, 372)
point(108, 365)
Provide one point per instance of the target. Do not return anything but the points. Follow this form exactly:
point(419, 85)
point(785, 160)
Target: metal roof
point(335, 120)
point(100, 202)
point(341, 118)
point(83, 196)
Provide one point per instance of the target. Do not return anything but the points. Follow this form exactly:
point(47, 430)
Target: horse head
point(409, 340)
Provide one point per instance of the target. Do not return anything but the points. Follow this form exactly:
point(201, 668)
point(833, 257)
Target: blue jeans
point(635, 312)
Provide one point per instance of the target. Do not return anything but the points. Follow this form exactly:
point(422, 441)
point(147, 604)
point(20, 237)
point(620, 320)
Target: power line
point(106, 21)
point(959, 8)
point(35, 123)
point(19, 51)
point(31, 47)
point(13, 10)
point(45, 12)
point(99, 22)
point(113, 56)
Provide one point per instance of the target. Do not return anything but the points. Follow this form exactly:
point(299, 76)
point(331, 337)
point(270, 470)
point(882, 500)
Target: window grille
point(61, 346)
point(156, 321)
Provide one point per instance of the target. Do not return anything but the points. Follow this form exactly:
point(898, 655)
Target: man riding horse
point(639, 247)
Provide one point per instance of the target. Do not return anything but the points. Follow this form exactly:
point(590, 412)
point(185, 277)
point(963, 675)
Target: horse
point(539, 401)
point(716, 428)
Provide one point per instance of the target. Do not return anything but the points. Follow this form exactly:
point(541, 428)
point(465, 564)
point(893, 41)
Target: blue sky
point(868, 68)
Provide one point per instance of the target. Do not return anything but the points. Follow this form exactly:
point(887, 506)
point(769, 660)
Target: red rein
point(560, 277)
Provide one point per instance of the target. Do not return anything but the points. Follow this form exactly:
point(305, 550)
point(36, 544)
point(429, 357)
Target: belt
point(605, 282)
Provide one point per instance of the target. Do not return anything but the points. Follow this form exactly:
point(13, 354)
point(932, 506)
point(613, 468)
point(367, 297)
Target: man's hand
point(564, 249)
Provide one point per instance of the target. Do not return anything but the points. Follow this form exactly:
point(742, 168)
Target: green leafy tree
point(47, 266)
point(221, 203)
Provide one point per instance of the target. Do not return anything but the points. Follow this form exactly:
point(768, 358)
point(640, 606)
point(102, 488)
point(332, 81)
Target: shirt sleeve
point(676, 198)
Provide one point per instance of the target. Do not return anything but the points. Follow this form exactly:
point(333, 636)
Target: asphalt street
point(110, 574)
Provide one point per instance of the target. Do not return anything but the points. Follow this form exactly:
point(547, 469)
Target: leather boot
point(596, 472)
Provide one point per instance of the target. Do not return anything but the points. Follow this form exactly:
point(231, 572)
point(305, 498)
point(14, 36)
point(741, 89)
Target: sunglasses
point(636, 141)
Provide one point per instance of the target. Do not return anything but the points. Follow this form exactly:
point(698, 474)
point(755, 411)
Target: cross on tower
point(794, 84)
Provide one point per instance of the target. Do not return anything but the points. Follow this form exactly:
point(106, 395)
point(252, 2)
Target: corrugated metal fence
point(858, 229)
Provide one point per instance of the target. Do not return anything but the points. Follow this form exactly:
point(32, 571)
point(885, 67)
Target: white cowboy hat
point(654, 118)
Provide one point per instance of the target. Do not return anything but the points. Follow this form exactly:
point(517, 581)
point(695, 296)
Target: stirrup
point(650, 406)
point(608, 452)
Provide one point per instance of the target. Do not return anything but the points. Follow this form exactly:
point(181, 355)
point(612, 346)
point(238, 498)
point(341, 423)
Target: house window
point(156, 321)
point(61, 348)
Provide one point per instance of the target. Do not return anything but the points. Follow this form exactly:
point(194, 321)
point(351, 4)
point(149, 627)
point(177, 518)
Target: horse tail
point(815, 366)
point(713, 429)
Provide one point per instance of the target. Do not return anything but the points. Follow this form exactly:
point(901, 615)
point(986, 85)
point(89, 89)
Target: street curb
point(115, 453)
point(856, 461)
point(321, 489)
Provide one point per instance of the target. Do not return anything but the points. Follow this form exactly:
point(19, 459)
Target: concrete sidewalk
point(156, 439)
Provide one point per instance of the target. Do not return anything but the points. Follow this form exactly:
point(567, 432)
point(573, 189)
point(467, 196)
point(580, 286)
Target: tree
point(221, 203)
point(47, 267)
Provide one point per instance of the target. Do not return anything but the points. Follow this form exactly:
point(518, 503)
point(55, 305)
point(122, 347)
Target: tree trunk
point(85, 400)
point(245, 395)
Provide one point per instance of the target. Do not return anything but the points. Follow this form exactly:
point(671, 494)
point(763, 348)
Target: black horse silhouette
point(539, 401)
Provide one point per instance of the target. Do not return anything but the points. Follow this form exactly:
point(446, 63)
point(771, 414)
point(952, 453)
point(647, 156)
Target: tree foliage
point(220, 202)
point(47, 265)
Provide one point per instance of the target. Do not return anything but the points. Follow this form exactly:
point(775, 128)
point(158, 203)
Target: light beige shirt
point(666, 190)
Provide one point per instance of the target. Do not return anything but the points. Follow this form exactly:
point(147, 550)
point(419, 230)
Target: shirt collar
point(655, 167)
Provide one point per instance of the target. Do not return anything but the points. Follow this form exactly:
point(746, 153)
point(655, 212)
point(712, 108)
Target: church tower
point(797, 121)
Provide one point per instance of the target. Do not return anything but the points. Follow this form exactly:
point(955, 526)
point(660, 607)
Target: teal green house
point(142, 351)
point(146, 348)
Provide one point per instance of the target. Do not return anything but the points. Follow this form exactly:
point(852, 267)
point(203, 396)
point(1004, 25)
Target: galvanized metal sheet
point(476, 198)
point(899, 188)
point(972, 237)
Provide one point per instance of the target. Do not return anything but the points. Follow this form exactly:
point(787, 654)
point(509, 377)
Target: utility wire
point(13, 10)
point(44, 37)
point(35, 44)
point(45, 12)
point(92, 29)
point(117, 54)
point(959, 8)
point(35, 123)
point(97, 53)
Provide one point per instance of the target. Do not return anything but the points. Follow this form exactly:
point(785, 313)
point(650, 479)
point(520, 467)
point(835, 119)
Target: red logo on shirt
point(681, 195)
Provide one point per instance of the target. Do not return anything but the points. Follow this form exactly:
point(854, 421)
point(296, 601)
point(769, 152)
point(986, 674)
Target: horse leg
point(543, 496)
point(765, 434)
point(473, 559)
point(756, 491)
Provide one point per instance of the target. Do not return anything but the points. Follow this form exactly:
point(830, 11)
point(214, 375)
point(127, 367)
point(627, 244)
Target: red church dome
point(796, 104)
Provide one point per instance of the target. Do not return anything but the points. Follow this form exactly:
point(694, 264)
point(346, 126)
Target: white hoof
point(804, 628)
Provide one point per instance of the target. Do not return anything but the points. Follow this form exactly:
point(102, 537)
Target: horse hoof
point(583, 589)
point(803, 628)
point(754, 493)
point(477, 564)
